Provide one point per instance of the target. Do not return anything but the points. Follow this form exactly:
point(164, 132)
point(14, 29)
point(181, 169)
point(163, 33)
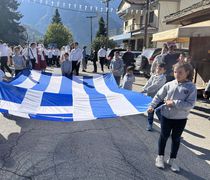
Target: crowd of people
point(170, 84)
point(37, 57)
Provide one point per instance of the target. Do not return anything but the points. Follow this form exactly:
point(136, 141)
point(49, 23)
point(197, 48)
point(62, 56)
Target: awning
point(121, 37)
point(201, 29)
point(169, 35)
point(182, 34)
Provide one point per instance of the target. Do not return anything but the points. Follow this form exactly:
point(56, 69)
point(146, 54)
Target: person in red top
point(41, 64)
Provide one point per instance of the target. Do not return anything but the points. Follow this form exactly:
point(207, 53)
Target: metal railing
point(133, 27)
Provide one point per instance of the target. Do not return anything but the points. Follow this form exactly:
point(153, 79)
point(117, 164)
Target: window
point(141, 21)
point(126, 23)
point(151, 17)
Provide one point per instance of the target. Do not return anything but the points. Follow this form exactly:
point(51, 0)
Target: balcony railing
point(114, 32)
point(133, 27)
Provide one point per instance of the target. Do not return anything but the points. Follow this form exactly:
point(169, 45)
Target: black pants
point(17, 72)
point(102, 62)
point(33, 62)
point(75, 66)
point(49, 61)
point(57, 61)
point(117, 79)
point(176, 126)
point(94, 66)
point(3, 61)
point(54, 60)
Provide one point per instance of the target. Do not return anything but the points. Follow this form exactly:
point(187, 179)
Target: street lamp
point(107, 21)
point(91, 30)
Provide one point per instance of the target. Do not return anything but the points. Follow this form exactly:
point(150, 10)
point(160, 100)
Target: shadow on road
point(202, 109)
point(205, 153)
point(190, 175)
point(194, 134)
point(199, 114)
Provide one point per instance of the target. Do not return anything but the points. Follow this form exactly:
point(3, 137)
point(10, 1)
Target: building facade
point(133, 13)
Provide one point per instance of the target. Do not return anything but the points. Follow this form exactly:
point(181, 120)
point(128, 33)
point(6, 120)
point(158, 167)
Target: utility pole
point(146, 24)
point(91, 30)
point(107, 22)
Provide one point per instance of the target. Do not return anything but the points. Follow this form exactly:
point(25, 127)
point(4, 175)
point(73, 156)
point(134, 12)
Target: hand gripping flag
point(46, 96)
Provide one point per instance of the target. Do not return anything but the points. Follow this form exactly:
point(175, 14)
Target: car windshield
point(148, 52)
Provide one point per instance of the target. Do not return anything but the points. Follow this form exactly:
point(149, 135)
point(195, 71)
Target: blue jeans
point(158, 113)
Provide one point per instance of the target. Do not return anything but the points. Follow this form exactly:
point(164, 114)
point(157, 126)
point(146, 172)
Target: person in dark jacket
point(128, 59)
point(94, 59)
point(170, 59)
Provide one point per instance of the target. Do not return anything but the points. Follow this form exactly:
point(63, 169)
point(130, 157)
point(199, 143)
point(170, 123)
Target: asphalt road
point(110, 149)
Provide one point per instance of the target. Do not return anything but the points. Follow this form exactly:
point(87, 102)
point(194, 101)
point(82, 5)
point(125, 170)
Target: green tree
point(102, 29)
point(59, 34)
point(10, 30)
point(56, 18)
point(101, 41)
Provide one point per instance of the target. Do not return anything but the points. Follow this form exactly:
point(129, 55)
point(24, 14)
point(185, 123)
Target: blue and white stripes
point(48, 96)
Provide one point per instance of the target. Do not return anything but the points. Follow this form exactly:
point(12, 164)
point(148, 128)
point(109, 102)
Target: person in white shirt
point(57, 57)
point(46, 56)
point(33, 55)
point(49, 56)
point(102, 57)
point(76, 58)
point(4, 53)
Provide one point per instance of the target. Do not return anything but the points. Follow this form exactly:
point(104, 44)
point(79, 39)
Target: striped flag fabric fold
point(46, 96)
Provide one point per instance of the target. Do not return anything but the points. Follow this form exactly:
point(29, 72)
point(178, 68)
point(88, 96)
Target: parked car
point(136, 54)
point(110, 55)
point(144, 61)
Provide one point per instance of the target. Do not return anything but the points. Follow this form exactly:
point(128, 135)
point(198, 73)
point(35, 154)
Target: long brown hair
point(187, 67)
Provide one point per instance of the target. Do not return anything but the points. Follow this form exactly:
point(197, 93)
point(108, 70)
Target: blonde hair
point(187, 67)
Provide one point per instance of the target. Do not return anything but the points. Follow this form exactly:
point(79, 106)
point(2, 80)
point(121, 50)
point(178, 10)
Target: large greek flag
point(47, 96)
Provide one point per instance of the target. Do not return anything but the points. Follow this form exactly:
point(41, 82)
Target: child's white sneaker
point(159, 162)
point(174, 166)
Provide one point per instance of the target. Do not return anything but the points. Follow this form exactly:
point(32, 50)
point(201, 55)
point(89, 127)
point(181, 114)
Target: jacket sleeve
point(148, 83)
point(189, 102)
point(160, 96)
point(157, 85)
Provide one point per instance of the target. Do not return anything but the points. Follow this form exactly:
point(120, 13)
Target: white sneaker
point(159, 162)
point(174, 166)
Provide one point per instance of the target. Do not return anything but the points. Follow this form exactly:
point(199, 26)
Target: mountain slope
point(39, 16)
